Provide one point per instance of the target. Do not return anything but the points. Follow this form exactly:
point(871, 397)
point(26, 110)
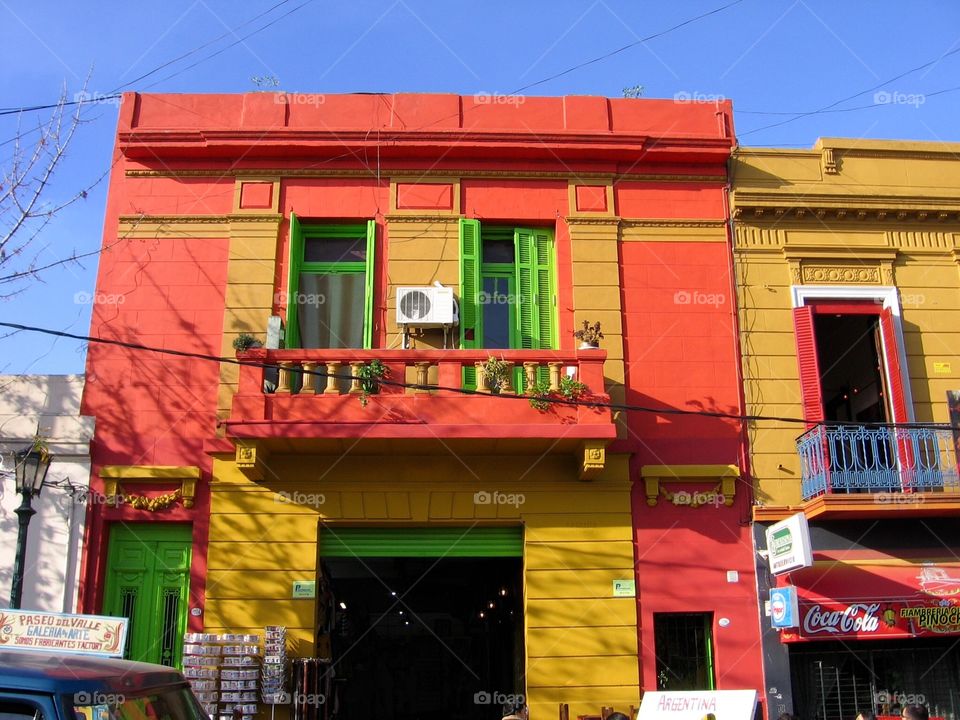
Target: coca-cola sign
point(879, 620)
point(851, 620)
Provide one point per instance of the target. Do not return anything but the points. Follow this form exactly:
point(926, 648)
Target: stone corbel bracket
point(250, 459)
point(592, 456)
point(653, 475)
point(114, 476)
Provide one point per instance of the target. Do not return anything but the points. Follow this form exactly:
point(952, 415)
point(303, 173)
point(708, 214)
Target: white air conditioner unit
point(426, 306)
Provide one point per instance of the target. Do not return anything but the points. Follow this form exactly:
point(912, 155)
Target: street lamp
point(31, 466)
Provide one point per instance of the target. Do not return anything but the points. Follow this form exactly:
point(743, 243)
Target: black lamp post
point(32, 464)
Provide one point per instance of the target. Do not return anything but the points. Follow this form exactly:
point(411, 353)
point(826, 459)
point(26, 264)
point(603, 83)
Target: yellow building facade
point(847, 261)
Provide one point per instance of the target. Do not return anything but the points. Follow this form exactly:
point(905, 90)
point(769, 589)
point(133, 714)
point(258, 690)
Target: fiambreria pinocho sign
point(60, 633)
point(697, 704)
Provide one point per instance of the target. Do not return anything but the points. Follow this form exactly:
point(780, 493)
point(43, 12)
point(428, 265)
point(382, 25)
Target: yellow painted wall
point(581, 642)
point(888, 207)
point(420, 250)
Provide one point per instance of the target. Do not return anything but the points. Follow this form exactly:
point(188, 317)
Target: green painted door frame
point(148, 581)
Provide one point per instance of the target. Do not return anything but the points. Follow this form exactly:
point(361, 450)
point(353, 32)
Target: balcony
point(309, 403)
point(895, 461)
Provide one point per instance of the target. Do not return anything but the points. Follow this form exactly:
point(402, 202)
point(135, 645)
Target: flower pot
point(589, 346)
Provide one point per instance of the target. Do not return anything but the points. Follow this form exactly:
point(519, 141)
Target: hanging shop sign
point(698, 704)
point(60, 633)
point(784, 611)
point(788, 544)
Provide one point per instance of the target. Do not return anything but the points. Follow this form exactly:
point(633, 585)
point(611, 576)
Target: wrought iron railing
point(877, 459)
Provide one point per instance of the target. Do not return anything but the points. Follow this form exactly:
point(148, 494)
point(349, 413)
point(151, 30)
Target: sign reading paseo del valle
point(54, 632)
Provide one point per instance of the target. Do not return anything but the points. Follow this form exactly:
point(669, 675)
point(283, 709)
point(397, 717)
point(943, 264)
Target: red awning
point(875, 596)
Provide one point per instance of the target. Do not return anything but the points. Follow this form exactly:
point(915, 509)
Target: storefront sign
point(784, 612)
point(893, 600)
point(59, 633)
point(624, 588)
point(788, 544)
point(697, 704)
point(879, 620)
point(304, 589)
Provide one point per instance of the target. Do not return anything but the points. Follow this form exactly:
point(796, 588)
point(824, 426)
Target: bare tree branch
point(27, 202)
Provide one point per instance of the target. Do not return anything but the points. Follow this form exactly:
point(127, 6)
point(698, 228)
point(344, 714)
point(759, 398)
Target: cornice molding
point(135, 220)
point(848, 213)
point(438, 173)
point(406, 218)
point(673, 222)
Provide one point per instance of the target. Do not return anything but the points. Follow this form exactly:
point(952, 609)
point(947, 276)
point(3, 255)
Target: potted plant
point(246, 341)
point(495, 374)
point(370, 375)
point(569, 389)
point(589, 336)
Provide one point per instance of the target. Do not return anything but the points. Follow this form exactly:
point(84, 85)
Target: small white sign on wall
point(625, 588)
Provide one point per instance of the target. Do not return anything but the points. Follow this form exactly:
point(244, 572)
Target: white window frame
point(889, 296)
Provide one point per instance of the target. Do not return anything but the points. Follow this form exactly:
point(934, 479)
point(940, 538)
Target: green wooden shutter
point(545, 289)
point(292, 335)
point(369, 271)
point(528, 324)
point(421, 542)
point(470, 261)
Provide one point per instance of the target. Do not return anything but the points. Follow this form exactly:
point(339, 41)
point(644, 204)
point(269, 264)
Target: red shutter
point(809, 366)
point(891, 358)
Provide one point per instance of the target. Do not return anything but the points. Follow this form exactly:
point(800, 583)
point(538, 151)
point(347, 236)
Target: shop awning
point(875, 597)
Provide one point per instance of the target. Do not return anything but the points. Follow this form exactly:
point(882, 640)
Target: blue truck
point(50, 686)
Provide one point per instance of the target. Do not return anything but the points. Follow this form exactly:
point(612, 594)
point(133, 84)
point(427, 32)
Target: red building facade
point(215, 206)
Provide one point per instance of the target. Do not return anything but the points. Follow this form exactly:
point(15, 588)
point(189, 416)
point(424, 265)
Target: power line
point(832, 105)
point(459, 390)
point(115, 94)
point(200, 47)
point(619, 50)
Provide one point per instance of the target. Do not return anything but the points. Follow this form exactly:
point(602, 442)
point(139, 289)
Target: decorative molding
point(593, 456)
point(847, 212)
point(846, 275)
point(284, 173)
point(654, 475)
point(274, 194)
point(829, 163)
point(114, 476)
point(418, 179)
point(422, 218)
point(152, 504)
point(593, 220)
point(199, 219)
point(250, 459)
point(673, 223)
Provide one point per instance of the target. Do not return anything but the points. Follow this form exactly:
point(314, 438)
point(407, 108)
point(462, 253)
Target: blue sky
point(768, 56)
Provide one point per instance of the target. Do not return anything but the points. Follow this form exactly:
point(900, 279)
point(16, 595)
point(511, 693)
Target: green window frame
point(299, 234)
point(533, 274)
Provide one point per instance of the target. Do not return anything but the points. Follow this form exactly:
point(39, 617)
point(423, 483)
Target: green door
point(148, 581)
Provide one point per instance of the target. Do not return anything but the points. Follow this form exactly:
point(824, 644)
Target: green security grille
point(421, 542)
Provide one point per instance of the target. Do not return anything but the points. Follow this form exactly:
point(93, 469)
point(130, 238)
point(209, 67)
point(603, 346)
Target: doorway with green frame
point(148, 582)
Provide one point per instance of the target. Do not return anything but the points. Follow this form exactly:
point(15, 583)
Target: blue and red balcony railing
point(845, 458)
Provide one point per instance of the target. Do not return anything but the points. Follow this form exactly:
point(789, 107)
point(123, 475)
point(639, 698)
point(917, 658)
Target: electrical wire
point(463, 391)
point(115, 94)
point(832, 105)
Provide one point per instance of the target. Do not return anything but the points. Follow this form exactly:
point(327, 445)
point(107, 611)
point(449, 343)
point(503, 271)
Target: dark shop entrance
point(836, 680)
point(421, 623)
